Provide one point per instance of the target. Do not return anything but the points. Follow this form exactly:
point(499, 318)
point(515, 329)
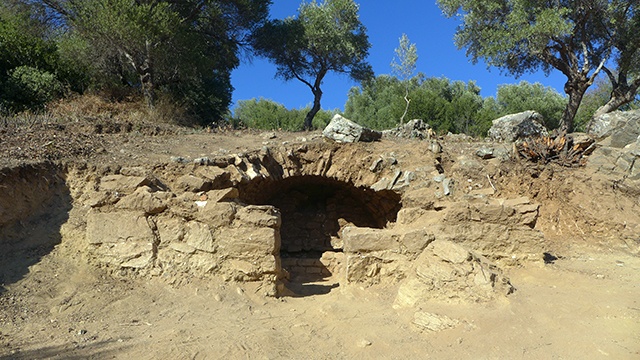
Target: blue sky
point(386, 21)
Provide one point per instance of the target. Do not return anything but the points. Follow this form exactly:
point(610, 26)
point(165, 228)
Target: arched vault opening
point(315, 209)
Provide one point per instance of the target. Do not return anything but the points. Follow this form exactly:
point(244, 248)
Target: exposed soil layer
point(566, 240)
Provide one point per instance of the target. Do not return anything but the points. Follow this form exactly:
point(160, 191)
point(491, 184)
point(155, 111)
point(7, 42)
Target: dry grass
point(94, 107)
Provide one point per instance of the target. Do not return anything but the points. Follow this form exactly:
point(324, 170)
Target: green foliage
point(445, 105)
point(179, 50)
point(403, 65)
point(30, 88)
point(25, 58)
point(515, 98)
point(325, 37)
point(266, 114)
point(520, 36)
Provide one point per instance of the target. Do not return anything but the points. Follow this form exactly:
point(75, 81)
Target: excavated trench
point(37, 201)
point(34, 203)
point(315, 210)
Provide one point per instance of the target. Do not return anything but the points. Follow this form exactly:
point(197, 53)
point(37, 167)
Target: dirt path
point(582, 307)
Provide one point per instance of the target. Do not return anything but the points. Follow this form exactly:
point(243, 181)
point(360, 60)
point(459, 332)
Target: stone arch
point(314, 211)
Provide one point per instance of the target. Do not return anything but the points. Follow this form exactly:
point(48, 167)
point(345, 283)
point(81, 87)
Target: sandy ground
point(581, 307)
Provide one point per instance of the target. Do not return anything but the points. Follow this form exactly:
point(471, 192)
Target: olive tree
point(324, 37)
point(520, 36)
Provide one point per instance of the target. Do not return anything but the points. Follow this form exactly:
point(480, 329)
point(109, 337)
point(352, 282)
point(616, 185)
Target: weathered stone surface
point(415, 241)
point(413, 129)
point(198, 236)
point(364, 240)
point(259, 216)
point(485, 153)
point(450, 252)
point(433, 322)
point(116, 227)
point(217, 214)
point(344, 130)
point(123, 184)
point(447, 271)
point(192, 183)
point(248, 241)
point(144, 200)
point(219, 178)
point(618, 128)
point(512, 127)
point(121, 238)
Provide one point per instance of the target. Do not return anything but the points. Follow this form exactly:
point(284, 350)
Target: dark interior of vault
point(314, 211)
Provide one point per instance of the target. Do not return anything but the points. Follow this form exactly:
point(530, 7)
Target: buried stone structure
point(312, 209)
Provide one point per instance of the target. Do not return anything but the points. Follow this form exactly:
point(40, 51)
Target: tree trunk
point(621, 94)
point(406, 108)
point(308, 120)
point(575, 90)
point(146, 77)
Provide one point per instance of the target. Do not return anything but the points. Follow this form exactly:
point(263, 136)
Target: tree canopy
point(184, 49)
point(520, 36)
point(324, 37)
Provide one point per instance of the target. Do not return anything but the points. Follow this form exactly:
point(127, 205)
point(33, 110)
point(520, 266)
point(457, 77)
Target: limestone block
point(248, 241)
point(198, 235)
point(493, 213)
point(415, 241)
point(357, 240)
point(449, 251)
point(192, 183)
point(170, 229)
point(128, 254)
point(259, 216)
point(144, 200)
point(121, 238)
point(219, 178)
point(410, 293)
point(512, 127)
point(117, 227)
point(217, 214)
point(341, 129)
point(361, 268)
point(122, 184)
point(222, 194)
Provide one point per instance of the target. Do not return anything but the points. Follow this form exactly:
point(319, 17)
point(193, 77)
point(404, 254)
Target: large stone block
point(618, 128)
point(121, 238)
point(248, 241)
point(512, 127)
point(344, 130)
point(363, 240)
point(117, 227)
point(144, 200)
point(198, 236)
point(123, 184)
point(259, 216)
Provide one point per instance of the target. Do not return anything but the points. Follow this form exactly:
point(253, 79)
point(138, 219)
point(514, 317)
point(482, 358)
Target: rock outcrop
point(343, 130)
point(616, 129)
point(512, 127)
